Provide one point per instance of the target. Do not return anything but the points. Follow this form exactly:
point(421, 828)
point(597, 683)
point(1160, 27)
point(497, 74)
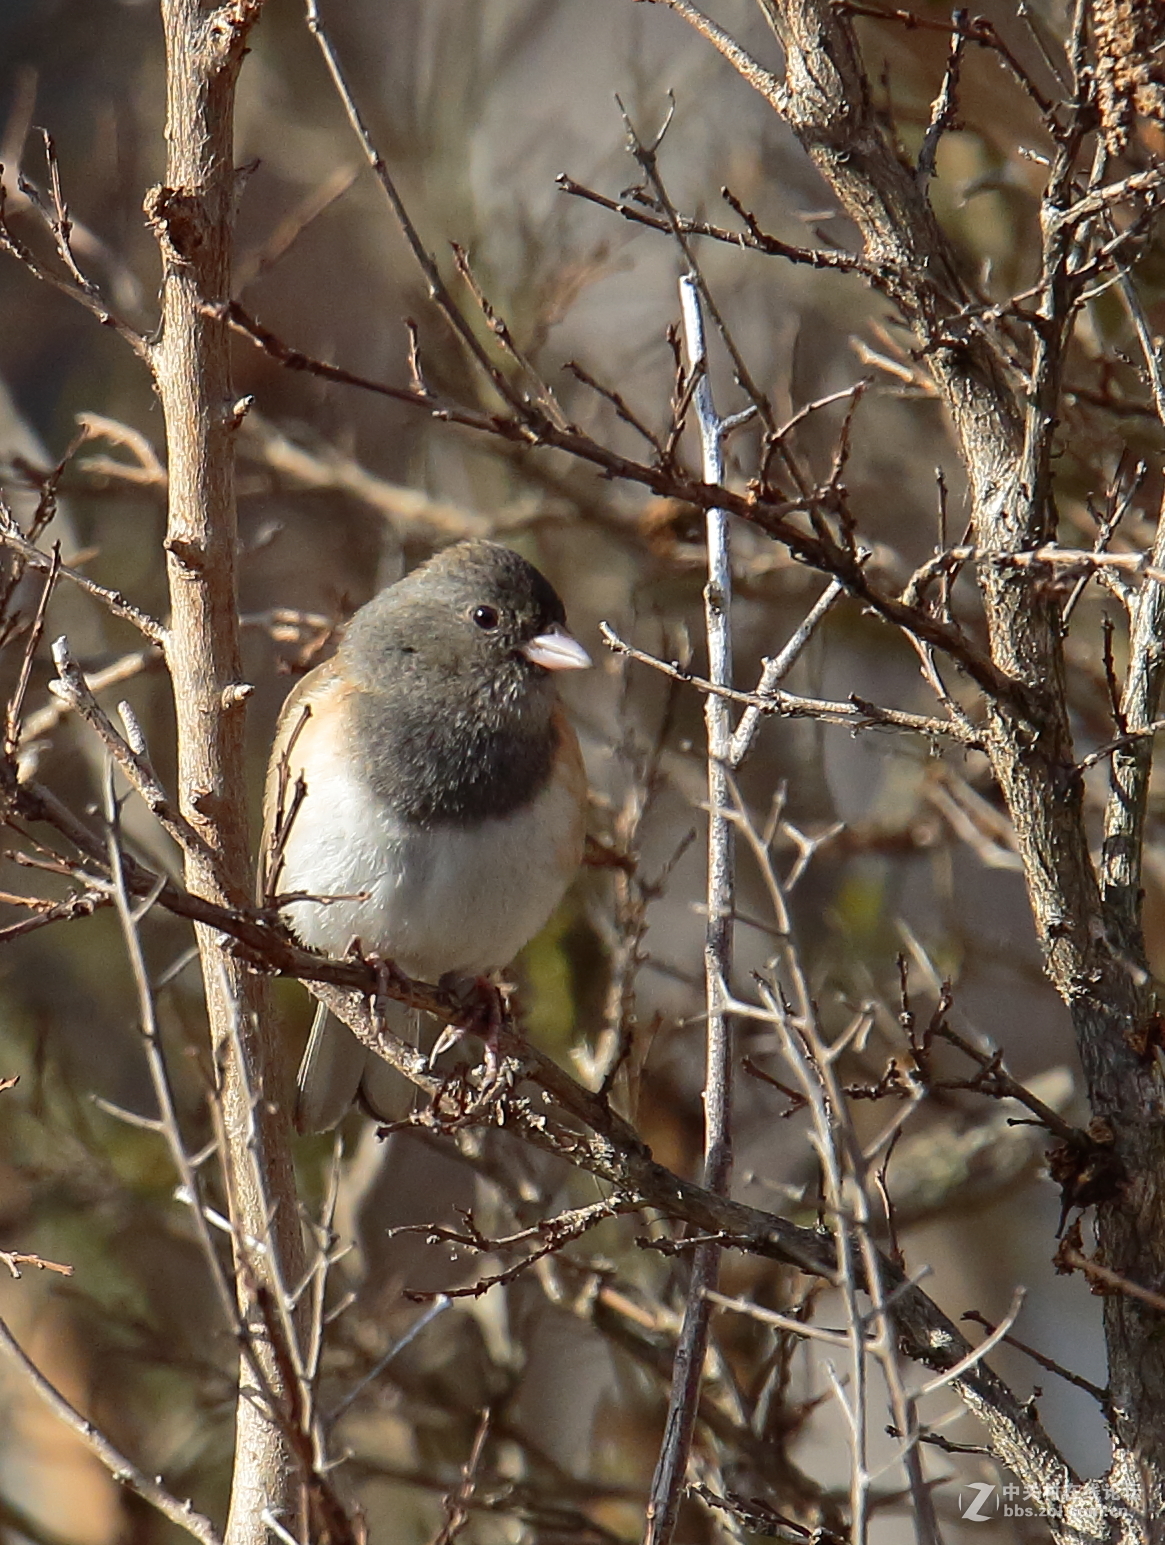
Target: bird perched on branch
point(443, 796)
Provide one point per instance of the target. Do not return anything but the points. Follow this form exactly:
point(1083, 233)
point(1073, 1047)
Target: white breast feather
point(440, 900)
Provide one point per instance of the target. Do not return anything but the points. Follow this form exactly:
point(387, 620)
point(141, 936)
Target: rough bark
point(1091, 939)
point(192, 216)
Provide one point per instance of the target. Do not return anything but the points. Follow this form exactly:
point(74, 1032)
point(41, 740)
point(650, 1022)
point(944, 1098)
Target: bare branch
point(752, 239)
point(945, 105)
point(122, 1469)
point(691, 1349)
point(438, 291)
point(116, 603)
point(71, 283)
point(775, 670)
point(855, 715)
point(192, 215)
point(73, 690)
point(42, 721)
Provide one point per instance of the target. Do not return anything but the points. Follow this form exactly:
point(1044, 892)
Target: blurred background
point(477, 106)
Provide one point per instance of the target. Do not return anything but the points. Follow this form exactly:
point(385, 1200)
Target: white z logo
point(973, 1513)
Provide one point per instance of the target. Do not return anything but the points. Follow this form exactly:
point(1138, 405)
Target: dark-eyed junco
point(443, 793)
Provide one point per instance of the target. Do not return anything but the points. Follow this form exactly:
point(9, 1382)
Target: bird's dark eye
point(486, 617)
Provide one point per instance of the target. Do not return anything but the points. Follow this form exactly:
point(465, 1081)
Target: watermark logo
point(980, 1502)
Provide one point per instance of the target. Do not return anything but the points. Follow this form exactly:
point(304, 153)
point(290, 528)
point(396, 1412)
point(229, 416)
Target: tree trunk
point(192, 216)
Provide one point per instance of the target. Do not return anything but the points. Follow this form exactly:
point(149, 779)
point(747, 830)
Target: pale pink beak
point(557, 650)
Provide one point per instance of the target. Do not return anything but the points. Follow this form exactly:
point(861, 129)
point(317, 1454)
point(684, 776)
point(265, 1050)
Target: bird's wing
point(292, 732)
point(333, 1062)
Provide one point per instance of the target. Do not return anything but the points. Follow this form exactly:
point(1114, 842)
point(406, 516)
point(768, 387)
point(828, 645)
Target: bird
point(425, 797)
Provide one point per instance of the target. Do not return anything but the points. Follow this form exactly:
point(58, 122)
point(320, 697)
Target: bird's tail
point(337, 1071)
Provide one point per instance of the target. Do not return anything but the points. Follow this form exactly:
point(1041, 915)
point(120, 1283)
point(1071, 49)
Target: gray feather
point(336, 1068)
point(329, 1074)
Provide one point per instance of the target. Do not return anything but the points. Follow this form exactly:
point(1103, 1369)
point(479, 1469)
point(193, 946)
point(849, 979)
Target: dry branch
point(192, 216)
point(122, 1469)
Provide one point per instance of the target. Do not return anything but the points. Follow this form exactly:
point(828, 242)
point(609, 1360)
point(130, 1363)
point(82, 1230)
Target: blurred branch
point(259, 260)
point(413, 514)
point(122, 1469)
point(549, 1235)
point(973, 29)
point(72, 282)
point(438, 291)
point(146, 471)
point(15, 1520)
point(457, 1503)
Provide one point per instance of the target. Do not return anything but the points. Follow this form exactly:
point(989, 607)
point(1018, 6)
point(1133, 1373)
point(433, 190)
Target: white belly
point(434, 900)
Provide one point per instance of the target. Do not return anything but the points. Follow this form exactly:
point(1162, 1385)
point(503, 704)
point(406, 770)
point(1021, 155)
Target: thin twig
point(617, 402)
point(752, 239)
point(120, 1468)
point(42, 721)
point(71, 687)
point(855, 715)
point(964, 1364)
point(167, 1122)
point(430, 1314)
point(945, 105)
point(1101, 1396)
point(1109, 1281)
point(775, 670)
point(70, 283)
point(438, 291)
point(648, 157)
point(15, 1259)
point(12, 726)
point(113, 600)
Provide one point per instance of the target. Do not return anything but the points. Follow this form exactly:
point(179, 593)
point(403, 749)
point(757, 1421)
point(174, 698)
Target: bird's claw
point(487, 1005)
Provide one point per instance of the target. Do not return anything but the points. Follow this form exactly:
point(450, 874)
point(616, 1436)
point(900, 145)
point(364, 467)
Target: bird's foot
point(486, 1003)
point(388, 974)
